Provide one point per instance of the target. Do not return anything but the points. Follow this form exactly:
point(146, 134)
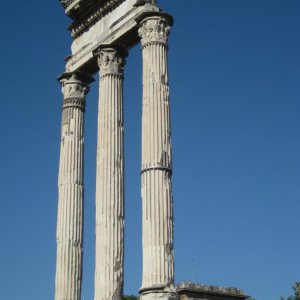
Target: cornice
point(75, 8)
point(66, 3)
point(92, 15)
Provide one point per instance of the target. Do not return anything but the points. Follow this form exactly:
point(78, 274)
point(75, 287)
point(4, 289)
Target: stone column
point(158, 259)
point(109, 180)
point(70, 191)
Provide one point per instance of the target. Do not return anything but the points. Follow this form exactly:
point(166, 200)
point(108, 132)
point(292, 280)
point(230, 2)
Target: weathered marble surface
point(109, 270)
point(70, 189)
point(158, 257)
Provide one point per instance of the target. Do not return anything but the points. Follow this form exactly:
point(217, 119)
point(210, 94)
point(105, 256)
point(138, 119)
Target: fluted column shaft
point(70, 192)
point(109, 181)
point(158, 260)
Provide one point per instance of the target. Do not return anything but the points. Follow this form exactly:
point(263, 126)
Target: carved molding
point(74, 91)
point(66, 3)
point(82, 24)
point(110, 61)
point(154, 29)
point(74, 102)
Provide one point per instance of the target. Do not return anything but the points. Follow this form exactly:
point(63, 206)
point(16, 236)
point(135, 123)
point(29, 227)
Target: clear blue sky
point(235, 89)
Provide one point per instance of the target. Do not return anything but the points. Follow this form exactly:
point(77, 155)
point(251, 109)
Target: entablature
point(114, 23)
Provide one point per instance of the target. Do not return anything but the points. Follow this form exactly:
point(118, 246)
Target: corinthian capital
point(74, 87)
point(110, 61)
point(154, 29)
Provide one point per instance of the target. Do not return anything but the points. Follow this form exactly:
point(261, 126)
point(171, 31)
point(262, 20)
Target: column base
point(168, 293)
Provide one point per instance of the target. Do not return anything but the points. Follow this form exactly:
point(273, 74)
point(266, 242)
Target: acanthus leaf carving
point(154, 29)
point(74, 88)
point(110, 61)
